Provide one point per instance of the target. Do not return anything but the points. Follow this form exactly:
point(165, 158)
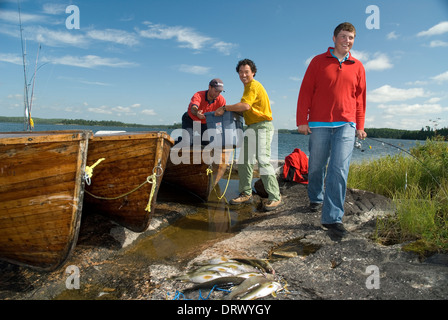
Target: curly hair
point(248, 62)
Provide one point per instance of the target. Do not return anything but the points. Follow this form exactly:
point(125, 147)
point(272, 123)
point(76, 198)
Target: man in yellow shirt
point(257, 113)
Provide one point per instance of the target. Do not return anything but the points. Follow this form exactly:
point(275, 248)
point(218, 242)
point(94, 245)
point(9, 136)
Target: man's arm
point(237, 107)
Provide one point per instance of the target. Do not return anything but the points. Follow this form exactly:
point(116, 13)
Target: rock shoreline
point(354, 267)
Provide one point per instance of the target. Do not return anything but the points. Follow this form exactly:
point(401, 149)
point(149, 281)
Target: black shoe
point(315, 206)
point(336, 228)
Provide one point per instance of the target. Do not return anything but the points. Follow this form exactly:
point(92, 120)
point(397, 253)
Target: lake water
point(283, 144)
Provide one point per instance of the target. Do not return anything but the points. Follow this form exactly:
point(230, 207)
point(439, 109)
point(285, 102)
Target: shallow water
point(203, 223)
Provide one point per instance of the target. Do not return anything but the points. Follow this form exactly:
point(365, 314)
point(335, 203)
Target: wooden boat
point(41, 192)
point(124, 186)
point(199, 171)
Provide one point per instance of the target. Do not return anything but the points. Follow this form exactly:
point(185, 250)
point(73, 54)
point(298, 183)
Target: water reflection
point(202, 224)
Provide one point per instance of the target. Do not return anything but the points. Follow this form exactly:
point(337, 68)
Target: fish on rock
point(262, 290)
point(247, 285)
point(200, 277)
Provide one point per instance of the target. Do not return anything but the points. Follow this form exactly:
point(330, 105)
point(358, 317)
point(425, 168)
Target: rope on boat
point(89, 170)
point(210, 171)
point(152, 179)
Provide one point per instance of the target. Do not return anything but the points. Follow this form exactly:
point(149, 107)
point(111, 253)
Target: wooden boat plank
point(196, 177)
point(41, 196)
point(130, 158)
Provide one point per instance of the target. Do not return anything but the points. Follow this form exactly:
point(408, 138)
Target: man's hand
point(361, 134)
point(219, 112)
point(200, 114)
point(304, 129)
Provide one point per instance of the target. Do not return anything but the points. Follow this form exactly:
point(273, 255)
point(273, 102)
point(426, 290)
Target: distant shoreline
point(386, 133)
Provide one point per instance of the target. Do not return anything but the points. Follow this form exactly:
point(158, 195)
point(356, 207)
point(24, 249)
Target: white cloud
point(438, 43)
point(118, 110)
point(387, 93)
point(57, 38)
point(13, 17)
point(379, 61)
point(198, 70)
point(412, 109)
point(392, 35)
point(54, 9)
point(11, 58)
point(90, 61)
point(149, 112)
point(113, 35)
point(186, 36)
point(224, 47)
point(438, 29)
point(434, 100)
point(100, 110)
point(441, 77)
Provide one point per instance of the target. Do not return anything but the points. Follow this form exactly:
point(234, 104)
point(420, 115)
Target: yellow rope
point(209, 171)
point(150, 179)
point(89, 170)
point(153, 189)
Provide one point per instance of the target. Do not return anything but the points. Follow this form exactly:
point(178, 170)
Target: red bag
point(296, 167)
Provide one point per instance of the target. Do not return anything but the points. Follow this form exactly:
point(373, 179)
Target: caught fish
point(260, 264)
point(201, 277)
point(213, 261)
point(246, 275)
point(262, 290)
point(248, 285)
point(223, 282)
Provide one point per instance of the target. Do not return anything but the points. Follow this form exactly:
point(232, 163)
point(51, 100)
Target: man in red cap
point(202, 102)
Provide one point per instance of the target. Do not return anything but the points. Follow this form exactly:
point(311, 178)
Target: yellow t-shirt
point(256, 96)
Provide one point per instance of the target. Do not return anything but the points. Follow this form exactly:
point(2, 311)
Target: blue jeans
point(330, 153)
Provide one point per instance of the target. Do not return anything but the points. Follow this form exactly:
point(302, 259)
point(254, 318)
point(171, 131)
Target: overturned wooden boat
point(197, 171)
point(127, 169)
point(41, 196)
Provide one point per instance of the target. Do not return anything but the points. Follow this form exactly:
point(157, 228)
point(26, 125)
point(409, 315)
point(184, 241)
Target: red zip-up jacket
point(333, 92)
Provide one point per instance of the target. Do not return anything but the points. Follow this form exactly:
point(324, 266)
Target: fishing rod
point(359, 146)
point(28, 102)
point(27, 115)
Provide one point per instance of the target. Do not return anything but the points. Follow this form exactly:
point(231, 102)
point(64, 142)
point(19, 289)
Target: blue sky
point(141, 61)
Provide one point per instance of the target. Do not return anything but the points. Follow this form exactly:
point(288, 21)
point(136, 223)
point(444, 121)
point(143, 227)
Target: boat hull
point(41, 196)
point(117, 188)
point(199, 171)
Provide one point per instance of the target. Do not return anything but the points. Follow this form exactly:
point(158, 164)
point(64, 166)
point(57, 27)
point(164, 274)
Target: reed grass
point(417, 183)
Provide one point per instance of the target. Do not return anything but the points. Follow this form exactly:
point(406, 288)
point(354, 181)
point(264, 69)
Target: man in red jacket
point(331, 108)
point(202, 102)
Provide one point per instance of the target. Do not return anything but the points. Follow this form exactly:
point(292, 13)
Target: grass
point(418, 186)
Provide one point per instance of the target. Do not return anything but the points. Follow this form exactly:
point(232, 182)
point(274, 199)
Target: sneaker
point(337, 228)
point(315, 206)
point(272, 204)
point(242, 198)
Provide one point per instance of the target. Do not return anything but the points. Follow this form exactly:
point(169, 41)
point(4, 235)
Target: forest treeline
point(386, 133)
point(423, 134)
point(82, 122)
